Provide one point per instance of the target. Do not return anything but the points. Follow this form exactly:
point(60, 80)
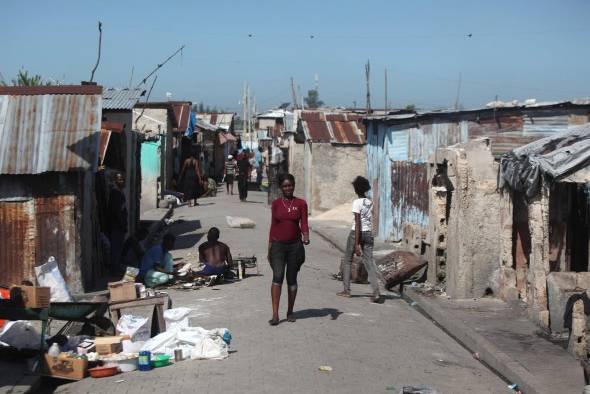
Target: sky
point(517, 49)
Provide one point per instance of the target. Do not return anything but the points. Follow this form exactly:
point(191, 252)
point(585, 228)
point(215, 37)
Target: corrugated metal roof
point(49, 132)
point(222, 120)
point(201, 124)
point(336, 128)
point(121, 99)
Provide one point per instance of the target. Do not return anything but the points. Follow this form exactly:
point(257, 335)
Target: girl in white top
point(360, 239)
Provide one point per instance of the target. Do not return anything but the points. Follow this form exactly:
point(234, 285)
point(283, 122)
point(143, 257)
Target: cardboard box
point(122, 291)
point(36, 297)
point(65, 367)
point(108, 345)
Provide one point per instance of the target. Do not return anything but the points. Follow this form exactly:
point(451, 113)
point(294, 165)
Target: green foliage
point(410, 107)
point(312, 100)
point(24, 79)
point(201, 108)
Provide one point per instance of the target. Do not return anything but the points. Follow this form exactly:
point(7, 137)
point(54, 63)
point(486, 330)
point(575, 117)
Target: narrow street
point(371, 348)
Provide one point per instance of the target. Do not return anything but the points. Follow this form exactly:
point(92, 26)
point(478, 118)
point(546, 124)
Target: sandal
point(345, 294)
point(291, 318)
point(273, 322)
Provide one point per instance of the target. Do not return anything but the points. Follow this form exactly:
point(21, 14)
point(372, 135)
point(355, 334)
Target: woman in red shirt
point(288, 233)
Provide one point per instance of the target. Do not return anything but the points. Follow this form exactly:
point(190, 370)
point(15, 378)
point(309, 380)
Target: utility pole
point(244, 105)
point(301, 97)
point(294, 94)
point(386, 102)
point(458, 93)
point(253, 125)
point(367, 76)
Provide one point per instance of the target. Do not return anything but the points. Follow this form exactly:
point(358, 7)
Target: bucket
point(145, 362)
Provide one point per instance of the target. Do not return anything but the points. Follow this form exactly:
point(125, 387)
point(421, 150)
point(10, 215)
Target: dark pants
point(289, 256)
point(259, 176)
point(243, 186)
point(117, 241)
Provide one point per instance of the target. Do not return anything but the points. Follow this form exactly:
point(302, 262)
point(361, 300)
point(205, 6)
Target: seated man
point(156, 265)
point(214, 254)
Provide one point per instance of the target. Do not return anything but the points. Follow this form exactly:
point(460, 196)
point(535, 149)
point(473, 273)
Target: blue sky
point(519, 49)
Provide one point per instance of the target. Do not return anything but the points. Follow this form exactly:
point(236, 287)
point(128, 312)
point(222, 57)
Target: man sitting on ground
point(157, 266)
point(214, 254)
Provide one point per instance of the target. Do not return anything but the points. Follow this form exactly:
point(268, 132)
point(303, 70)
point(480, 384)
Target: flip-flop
point(291, 318)
point(273, 322)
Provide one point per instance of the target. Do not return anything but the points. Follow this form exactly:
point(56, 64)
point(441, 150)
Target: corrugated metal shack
point(399, 144)
point(217, 142)
point(328, 154)
point(49, 142)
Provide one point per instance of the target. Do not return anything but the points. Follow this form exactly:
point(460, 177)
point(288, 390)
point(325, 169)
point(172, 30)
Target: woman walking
point(190, 178)
point(229, 171)
point(289, 231)
point(361, 239)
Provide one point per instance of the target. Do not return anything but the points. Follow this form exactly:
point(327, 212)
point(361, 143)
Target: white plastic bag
point(238, 222)
point(196, 342)
point(21, 335)
point(176, 318)
point(48, 275)
point(136, 327)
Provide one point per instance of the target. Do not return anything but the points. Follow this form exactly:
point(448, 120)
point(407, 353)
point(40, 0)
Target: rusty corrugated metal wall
point(32, 231)
point(17, 232)
point(409, 194)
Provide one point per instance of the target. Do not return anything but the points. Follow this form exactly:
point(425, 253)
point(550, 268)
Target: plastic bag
point(196, 342)
point(130, 274)
point(21, 335)
point(48, 275)
point(136, 327)
point(176, 318)
point(238, 222)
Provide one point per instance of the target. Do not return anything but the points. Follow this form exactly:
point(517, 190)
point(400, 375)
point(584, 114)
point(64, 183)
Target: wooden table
point(157, 301)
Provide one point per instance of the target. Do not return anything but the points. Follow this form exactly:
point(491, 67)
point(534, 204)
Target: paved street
point(371, 348)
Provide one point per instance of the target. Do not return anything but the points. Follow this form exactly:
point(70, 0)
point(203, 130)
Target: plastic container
point(128, 365)
point(145, 361)
point(54, 350)
point(103, 372)
point(160, 360)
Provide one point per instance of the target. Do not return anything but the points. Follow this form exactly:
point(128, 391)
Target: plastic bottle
point(54, 350)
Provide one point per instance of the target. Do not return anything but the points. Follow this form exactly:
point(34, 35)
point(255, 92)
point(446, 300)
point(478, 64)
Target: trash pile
point(109, 342)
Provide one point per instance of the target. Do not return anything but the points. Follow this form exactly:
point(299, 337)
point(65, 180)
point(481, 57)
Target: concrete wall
point(333, 169)
point(296, 157)
point(472, 241)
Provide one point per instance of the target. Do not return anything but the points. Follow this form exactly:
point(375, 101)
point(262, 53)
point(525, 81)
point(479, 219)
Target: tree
point(24, 79)
point(410, 107)
point(313, 99)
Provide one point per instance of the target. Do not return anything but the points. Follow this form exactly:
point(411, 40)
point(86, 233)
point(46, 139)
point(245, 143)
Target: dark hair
point(361, 185)
point(286, 177)
point(260, 148)
point(213, 234)
point(169, 237)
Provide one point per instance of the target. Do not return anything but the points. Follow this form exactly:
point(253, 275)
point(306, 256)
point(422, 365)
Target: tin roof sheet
point(221, 120)
point(336, 128)
point(182, 111)
point(121, 99)
point(49, 131)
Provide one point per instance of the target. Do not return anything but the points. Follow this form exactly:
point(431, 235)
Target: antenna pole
point(99, 47)
point(458, 93)
point(386, 101)
point(294, 94)
point(367, 76)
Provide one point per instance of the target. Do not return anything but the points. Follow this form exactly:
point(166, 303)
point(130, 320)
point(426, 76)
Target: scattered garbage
point(514, 387)
point(420, 389)
point(325, 368)
point(476, 355)
point(398, 267)
point(135, 327)
point(48, 275)
point(176, 318)
point(239, 222)
point(196, 343)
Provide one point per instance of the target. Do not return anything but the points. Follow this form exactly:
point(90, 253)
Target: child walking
point(360, 239)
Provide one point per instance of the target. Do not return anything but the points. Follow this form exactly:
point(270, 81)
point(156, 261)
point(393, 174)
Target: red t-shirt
point(289, 220)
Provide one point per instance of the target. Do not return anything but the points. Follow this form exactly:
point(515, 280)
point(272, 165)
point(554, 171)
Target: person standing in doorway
point(289, 231)
point(244, 170)
point(360, 239)
point(190, 178)
point(117, 208)
point(229, 172)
